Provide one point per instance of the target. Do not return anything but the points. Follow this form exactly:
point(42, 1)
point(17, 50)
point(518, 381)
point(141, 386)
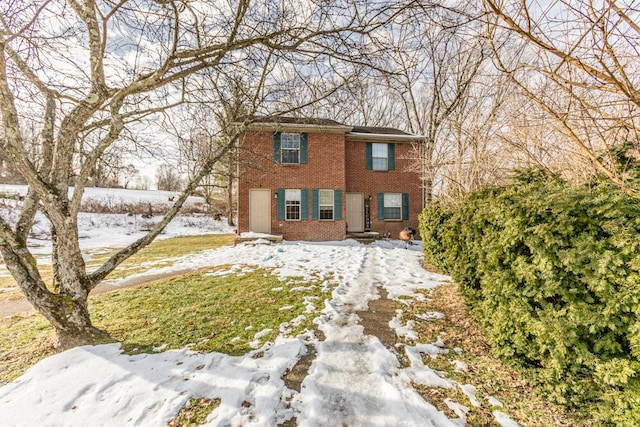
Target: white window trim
point(286, 203)
point(321, 205)
point(283, 149)
point(398, 207)
point(373, 157)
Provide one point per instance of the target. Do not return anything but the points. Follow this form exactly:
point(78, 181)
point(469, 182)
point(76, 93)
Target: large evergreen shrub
point(552, 273)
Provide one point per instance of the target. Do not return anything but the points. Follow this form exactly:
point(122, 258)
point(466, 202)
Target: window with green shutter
point(393, 206)
point(290, 148)
point(326, 205)
point(380, 156)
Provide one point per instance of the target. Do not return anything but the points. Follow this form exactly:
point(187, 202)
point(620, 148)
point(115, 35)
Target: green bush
point(552, 273)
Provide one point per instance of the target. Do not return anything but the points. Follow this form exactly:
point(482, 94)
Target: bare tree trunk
point(230, 209)
point(66, 311)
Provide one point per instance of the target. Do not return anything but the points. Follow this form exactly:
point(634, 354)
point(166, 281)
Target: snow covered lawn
point(353, 380)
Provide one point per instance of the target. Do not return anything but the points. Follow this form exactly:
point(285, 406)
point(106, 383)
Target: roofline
point(270, 126)
point(355, 136)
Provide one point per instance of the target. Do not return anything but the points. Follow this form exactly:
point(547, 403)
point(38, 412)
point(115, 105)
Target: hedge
point(552, 273)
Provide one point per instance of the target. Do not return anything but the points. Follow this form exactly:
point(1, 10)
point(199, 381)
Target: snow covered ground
point(116, 229)
point(354, 379)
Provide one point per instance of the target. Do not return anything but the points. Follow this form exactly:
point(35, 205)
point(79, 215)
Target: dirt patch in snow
point(376, 319)
point(293, 378)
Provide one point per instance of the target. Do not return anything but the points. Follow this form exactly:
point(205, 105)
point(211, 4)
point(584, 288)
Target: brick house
point(316, 179)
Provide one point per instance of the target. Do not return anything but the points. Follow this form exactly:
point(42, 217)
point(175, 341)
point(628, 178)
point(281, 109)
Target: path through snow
point(354, 376)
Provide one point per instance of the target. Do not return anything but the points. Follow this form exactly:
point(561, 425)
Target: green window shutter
point(280, 193)
point(337, 204)
point(315, 205)
point(392, 156)
point(304, 143)
point(369, 155)
point(276, 147)
point(380, 205)
point(405, 206)
point(304, 204)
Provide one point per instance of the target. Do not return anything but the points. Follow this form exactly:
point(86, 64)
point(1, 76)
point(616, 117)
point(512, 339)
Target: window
point(292, 204)
point(380, 153)
point(392, 206)
point(380, 156)
point(326, 204)
point(290, 146)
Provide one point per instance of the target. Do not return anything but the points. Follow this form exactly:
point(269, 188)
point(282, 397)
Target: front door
point(355, 212)
point(260, 210)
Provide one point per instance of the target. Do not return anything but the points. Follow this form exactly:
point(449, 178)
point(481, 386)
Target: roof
point(378, 130)
point(294, 124)
point(352, 133)
point(292, 120)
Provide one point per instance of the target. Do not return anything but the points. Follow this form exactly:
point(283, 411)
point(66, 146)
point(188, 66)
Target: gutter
point(355, 136)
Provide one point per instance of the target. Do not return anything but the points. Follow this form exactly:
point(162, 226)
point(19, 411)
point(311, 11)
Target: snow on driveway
point(354, 380)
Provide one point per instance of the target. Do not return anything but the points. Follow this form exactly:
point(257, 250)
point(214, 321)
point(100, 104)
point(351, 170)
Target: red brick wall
point(328, 155)
point(325, 170)
point(404, 179)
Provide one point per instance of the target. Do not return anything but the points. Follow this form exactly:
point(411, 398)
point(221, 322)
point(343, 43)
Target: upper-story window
point(290, 146)
point(380, 157)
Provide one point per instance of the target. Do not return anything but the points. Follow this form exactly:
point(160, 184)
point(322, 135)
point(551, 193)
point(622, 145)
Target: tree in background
point(577, 62)
point(83, 73)
point(168, 178)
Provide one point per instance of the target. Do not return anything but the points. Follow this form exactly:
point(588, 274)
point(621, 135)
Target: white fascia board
point(295, 127)
point(354, 136)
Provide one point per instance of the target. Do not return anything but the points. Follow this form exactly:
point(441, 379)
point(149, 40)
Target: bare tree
point(84, 72)
point(434, 61)
point(128, 173)
point(578, 62)
point(168, 178)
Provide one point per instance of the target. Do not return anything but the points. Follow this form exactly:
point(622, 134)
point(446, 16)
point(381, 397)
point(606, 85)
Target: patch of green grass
point(207, 312)
point(194, 412)
point(159, 253)
point(24, 340)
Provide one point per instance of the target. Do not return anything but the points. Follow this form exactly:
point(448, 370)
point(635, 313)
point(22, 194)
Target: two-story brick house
point(316, 179)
